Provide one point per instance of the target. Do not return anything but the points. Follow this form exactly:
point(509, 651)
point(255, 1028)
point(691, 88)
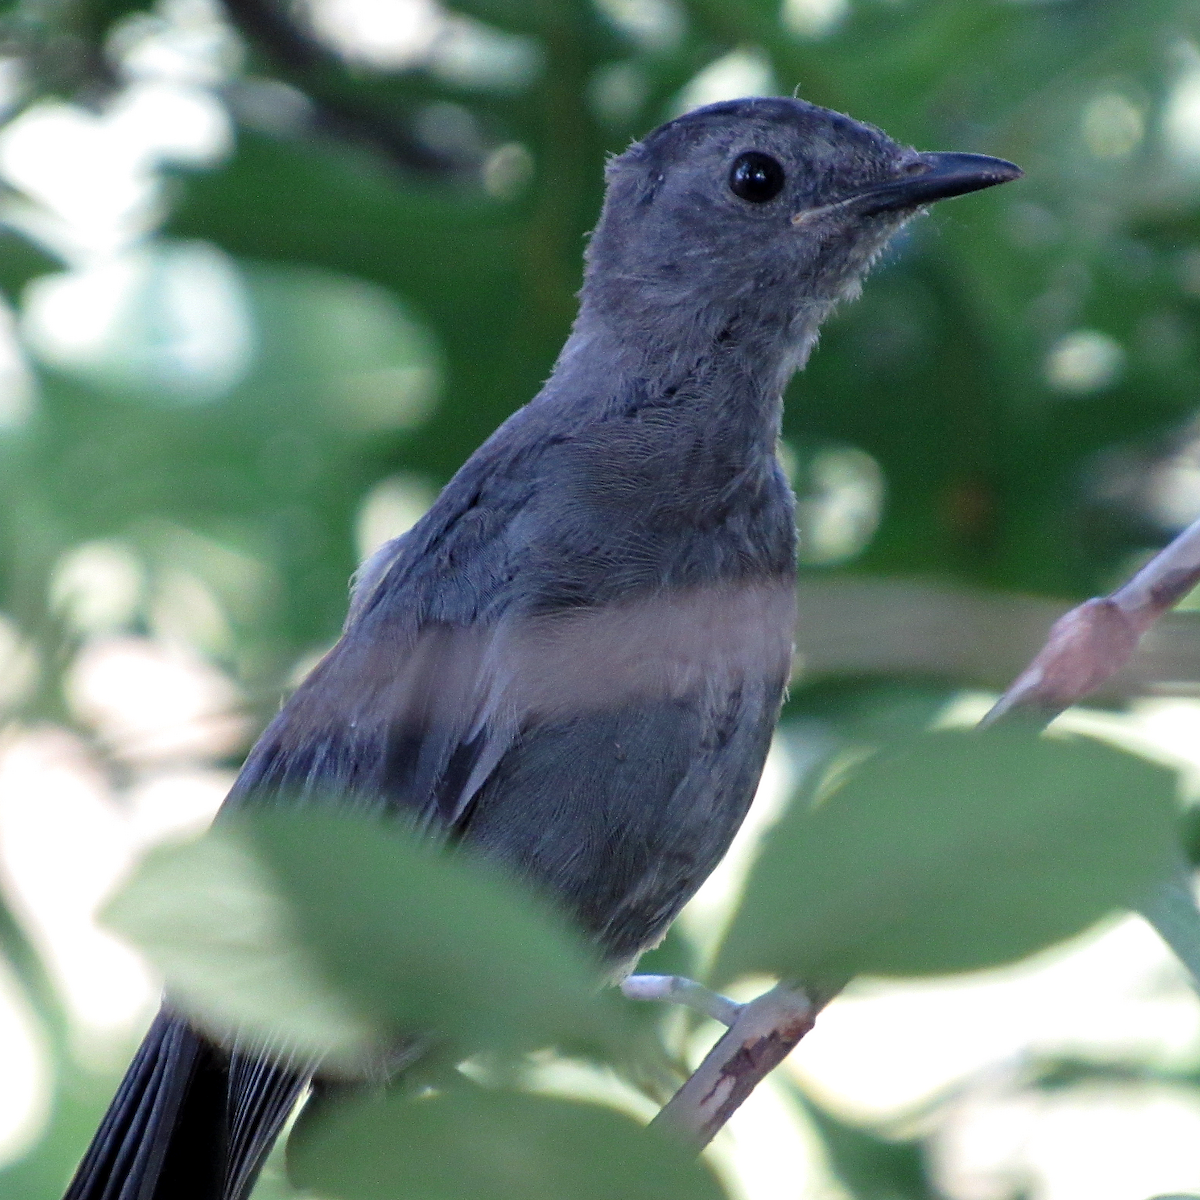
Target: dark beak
point(936, 176)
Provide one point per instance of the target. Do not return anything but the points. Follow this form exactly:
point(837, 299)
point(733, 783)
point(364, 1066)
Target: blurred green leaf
point(870, 1167)
point(339, 936)
point(18, 951)
point(491, 1146)
point(954, 851)
point(20, 261)
point(872, 711)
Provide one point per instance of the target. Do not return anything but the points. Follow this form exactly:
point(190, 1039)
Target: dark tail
point(189, 1122)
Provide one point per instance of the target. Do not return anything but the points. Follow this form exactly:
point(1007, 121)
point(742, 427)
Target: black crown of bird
point(575, 661)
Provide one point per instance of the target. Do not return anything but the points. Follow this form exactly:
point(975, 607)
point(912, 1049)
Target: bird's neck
point(736, 365)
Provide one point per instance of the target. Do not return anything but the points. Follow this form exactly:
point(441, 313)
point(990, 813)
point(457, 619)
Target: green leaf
point(868, 1166)
point(490, 1146)
point(954, 851)
point(213, 921)
point(339, 935)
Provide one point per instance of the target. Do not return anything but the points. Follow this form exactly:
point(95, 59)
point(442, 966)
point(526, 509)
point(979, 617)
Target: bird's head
point(757, 216)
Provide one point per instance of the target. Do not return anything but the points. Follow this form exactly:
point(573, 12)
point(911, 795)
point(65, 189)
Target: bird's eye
point(756, 177)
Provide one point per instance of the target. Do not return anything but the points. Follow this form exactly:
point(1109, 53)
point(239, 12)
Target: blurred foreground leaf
point(869, 1167)
point(337, 936)
point(490, 1146)
point(955, 851)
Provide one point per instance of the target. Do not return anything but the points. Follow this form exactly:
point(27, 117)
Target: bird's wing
point(418, 719)
point(621, 812)
point(390, 720)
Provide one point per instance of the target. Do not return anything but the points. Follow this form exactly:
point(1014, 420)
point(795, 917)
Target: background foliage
point(221, 398)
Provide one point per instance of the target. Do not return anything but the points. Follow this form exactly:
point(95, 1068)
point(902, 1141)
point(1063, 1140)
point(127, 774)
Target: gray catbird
point(575, 660)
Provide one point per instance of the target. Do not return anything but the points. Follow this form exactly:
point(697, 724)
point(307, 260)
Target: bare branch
point(1094, 641)
point(302, 61)
point(764, 1034)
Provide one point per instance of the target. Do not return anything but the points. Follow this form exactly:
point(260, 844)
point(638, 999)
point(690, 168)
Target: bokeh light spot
point(617, 91)
point(1173, 489)
point(1181, 115)
point(26, 1096)
point(840, 503)
point(149, 702)
point(1083, 361)
point(169, 322)
point(19, 664)
point(507, 170)
point(392, 507)
point(384, 365)
point(1113, 125)
point(813, 18)
point(743, 72)
point(378, 33)
point(97, 586)
point(470, 54)
point(60, 856)
point(657, 26)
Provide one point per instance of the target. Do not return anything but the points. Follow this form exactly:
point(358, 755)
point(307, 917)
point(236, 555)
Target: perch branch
point(1094, 641)
point(760, 1038)
point(1084, 649)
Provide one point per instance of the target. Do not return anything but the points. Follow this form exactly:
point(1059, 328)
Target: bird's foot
point(678, 990)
